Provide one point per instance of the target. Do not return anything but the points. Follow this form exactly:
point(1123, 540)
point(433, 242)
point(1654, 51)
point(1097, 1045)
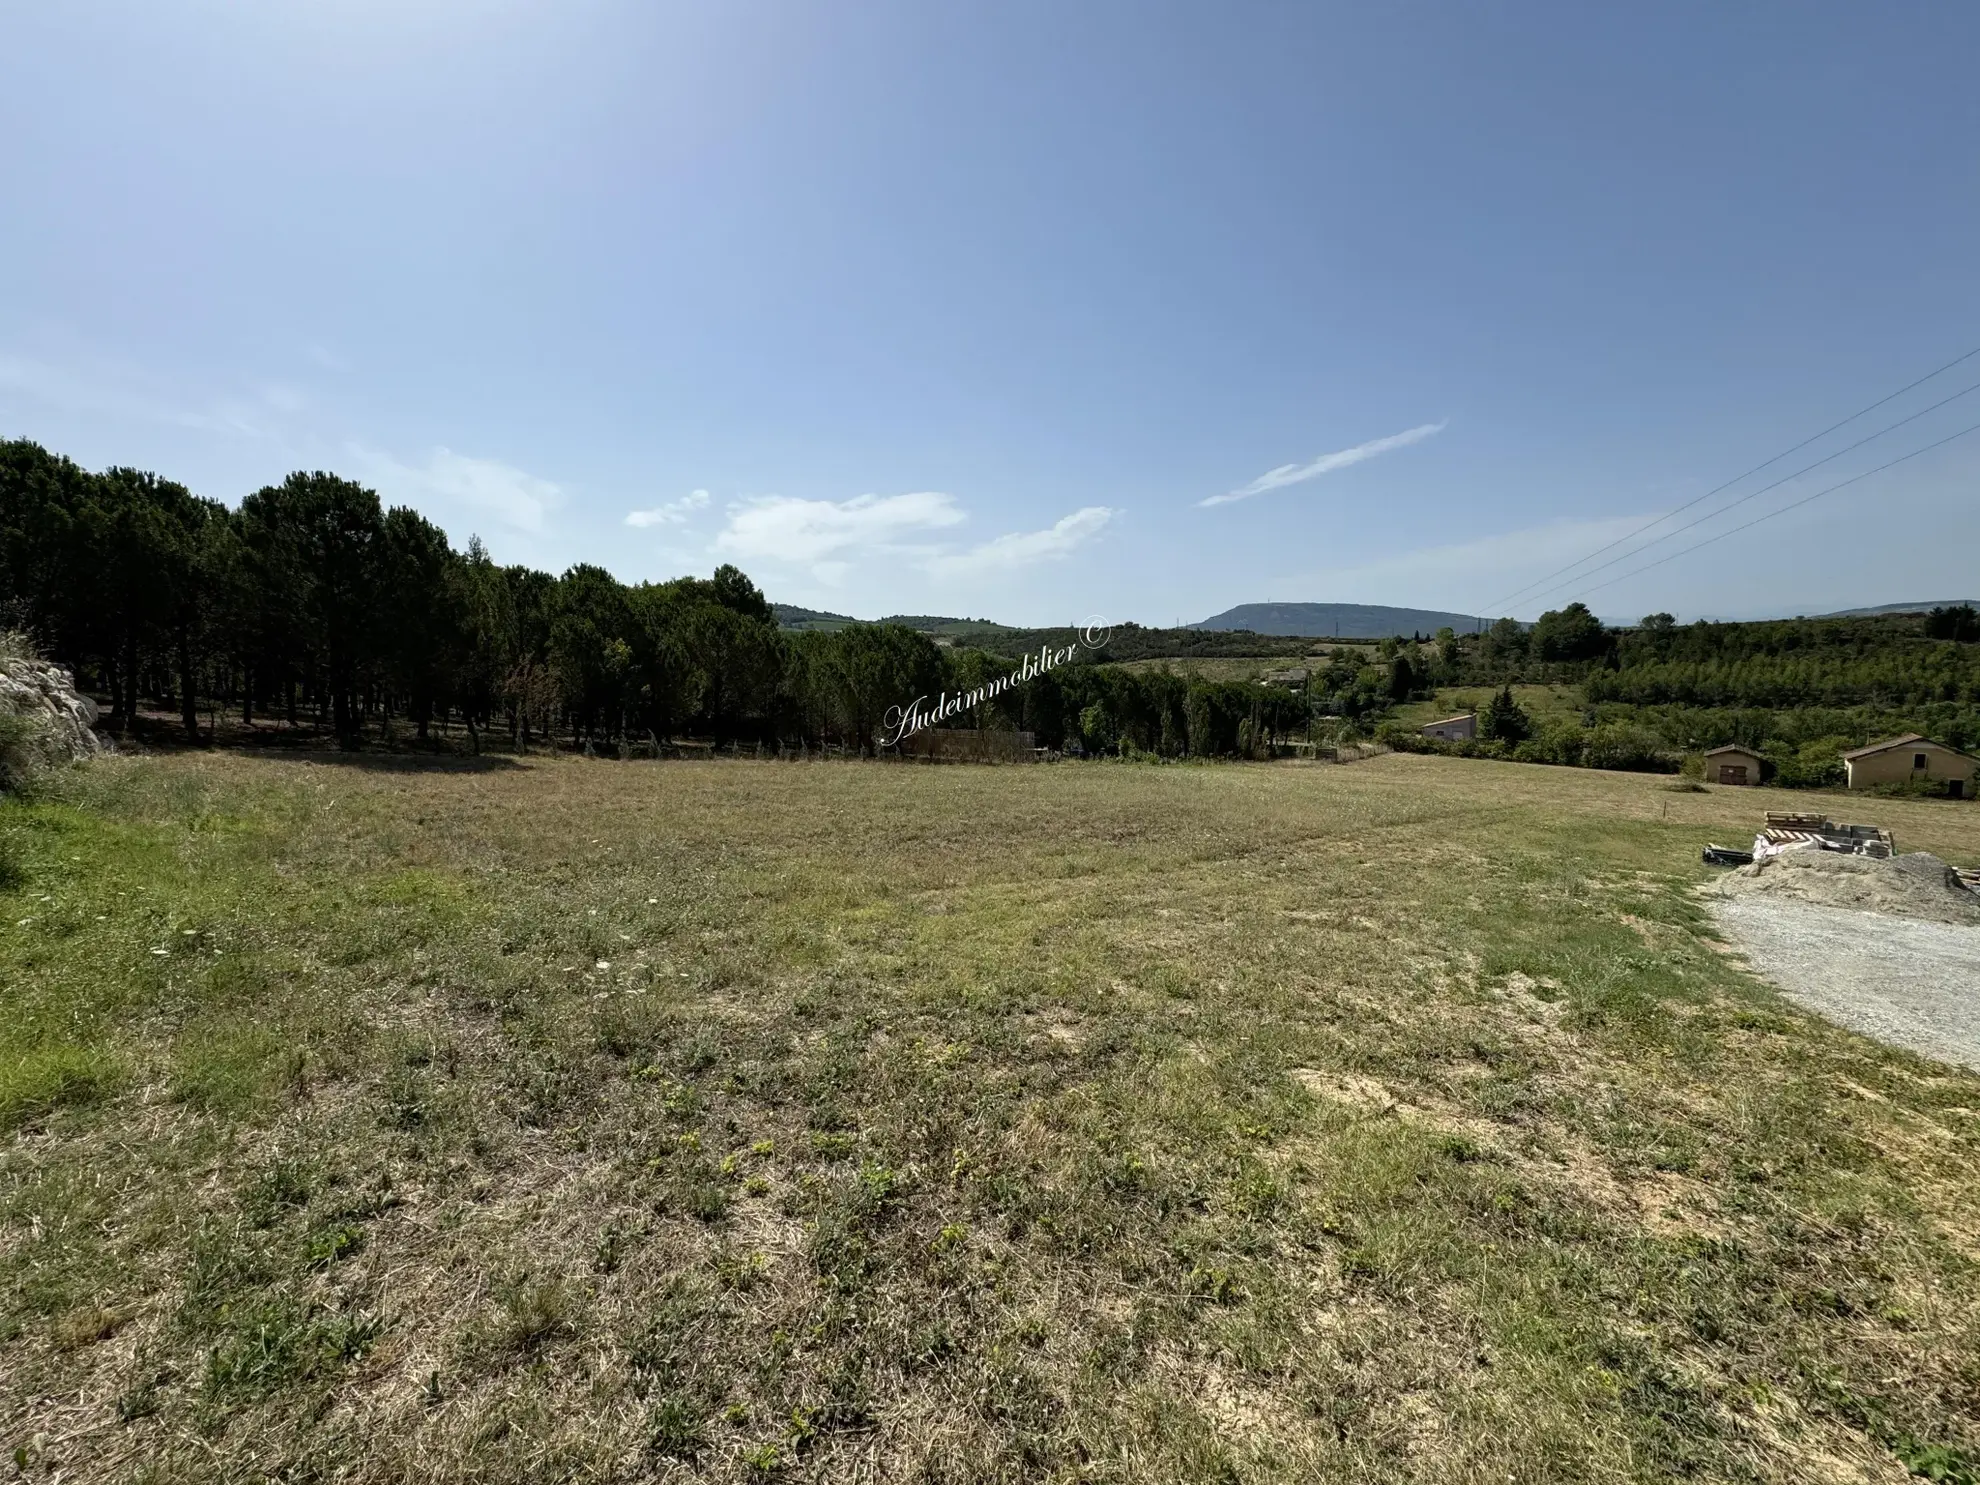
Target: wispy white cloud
point(485, 487)
point(1026, 548)
point(1293, 474)
point(784, 528)
point(833, 539)
point(673, 513)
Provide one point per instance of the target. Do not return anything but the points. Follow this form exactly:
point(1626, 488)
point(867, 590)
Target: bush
point(1565, 743)
point(1914, 789)
point(1406, 739)
point(1813, 765)
point(1617, 745)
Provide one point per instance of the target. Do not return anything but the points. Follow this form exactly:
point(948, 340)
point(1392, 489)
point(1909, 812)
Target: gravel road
point(1911, 983)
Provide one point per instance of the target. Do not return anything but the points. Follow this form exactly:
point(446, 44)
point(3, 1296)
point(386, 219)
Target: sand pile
point(1917, 885)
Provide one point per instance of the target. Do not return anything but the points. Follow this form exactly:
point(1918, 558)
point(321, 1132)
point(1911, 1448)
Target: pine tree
point(1503, 719)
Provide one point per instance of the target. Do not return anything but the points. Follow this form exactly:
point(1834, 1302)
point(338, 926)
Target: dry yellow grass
point(575, 1119)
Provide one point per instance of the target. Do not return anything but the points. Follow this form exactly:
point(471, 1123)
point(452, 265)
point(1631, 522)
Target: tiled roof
point(1908, 740)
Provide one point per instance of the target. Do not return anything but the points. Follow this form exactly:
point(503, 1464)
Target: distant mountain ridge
point(1283, 620)
point(1339, 620)
point(1301, 620)
point(790, 616)
point(938, 625)
point(1899, 608)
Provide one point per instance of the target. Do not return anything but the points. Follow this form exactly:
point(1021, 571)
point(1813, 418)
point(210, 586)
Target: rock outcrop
point(60, 721)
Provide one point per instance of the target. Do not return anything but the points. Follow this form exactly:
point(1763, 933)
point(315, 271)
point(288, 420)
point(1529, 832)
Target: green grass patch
point(1398, 1121)
point(36, 1081)
point(230, 1068)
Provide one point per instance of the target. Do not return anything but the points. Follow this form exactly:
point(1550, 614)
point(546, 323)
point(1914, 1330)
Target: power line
point(1680, 510)
point(1792, 505)
point(1713, 515)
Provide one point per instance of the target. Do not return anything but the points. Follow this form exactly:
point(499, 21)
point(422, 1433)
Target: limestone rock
point(61, 720)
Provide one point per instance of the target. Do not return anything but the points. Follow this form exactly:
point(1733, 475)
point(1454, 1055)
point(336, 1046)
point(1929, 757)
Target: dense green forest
point(313, 610)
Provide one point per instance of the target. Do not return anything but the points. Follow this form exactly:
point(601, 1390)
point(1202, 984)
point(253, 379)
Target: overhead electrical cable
point(1713, 515)
point(1680, 510)
point(1791, 505)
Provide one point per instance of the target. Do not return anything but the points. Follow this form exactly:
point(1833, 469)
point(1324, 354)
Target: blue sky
point(993, 309)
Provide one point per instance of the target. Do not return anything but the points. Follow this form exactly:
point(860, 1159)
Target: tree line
point(1797, 691)
point(1872, 660)
point(312, 604)
point(315, 605)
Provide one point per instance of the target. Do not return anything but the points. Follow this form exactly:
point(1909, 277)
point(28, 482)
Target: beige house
point(1910, 757)
point(1461, 728)
point(1732, 764)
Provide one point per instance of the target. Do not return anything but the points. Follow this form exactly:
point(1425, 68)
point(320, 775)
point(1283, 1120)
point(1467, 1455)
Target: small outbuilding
point(1461, 728)
point(1907, 759)
point(1732, 764)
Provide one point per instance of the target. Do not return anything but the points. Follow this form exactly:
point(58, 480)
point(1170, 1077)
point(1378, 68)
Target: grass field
point(1543, 704)
point(573, 1120)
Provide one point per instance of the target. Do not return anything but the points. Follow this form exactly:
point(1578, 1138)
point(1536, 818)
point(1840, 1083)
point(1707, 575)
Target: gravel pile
point(1917, 885)
point(1908, 983)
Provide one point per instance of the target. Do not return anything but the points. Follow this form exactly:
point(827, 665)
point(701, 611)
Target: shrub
point(1913, 789)
point(1565, 743)
point(1617, 745)
point(1407, 739)
point(1813, 765)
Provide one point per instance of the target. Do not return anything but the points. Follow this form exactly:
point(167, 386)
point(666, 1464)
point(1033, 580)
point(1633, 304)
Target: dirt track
point(1910, 983)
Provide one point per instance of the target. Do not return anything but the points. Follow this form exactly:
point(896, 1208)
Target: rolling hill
point(1900, 608)
point(790, 616)
point(1339, 620)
